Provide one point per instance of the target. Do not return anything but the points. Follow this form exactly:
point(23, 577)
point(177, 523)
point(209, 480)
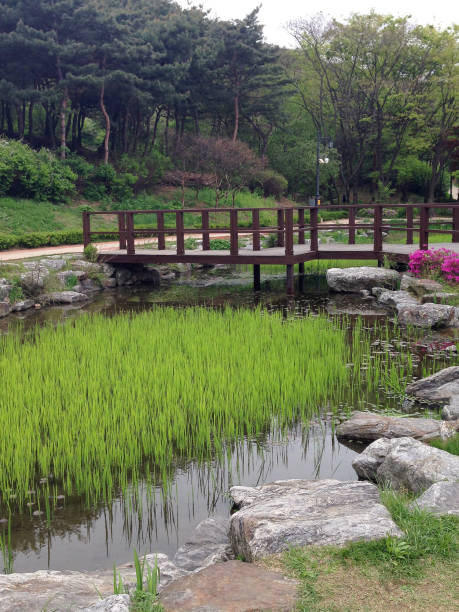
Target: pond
point(127, 420)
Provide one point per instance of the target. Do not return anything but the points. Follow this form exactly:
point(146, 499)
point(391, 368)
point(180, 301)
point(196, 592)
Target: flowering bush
point(439, 263)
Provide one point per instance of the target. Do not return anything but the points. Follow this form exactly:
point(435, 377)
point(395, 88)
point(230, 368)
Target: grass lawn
point(417, 572)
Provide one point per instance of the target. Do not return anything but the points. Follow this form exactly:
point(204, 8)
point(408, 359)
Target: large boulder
point(405, 463)
point(353, 280)
point(440, 498)
point(231, 587)
point(419, 286)
point(209, 544)
point(394, 299)
point(427, 315)
point(436, 390)
point(286, 513)
point(63, 297)
point(369, 426)
point(451, 411)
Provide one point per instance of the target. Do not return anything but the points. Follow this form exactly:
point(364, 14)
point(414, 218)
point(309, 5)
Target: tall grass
point(99, 402)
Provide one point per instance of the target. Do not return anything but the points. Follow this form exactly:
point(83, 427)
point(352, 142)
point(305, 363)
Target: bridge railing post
point(314, 219)
point(288, 232)
point(409, 224)
point(455, 215)
point(377, 229)
point(205, 235)
point(352, 212)
point(180, 232)
point(424, 228)
point(280, 228)
point(86, 229)
point(256, 227)
point(234, 247)
point(161, 234)
point(130, 233)
point(300, 225)
point(122, 230)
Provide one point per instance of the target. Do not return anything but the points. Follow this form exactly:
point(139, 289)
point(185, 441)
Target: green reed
point(98, 403)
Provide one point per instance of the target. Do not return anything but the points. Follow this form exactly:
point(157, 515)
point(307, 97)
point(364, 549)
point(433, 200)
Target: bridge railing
point(289, 222)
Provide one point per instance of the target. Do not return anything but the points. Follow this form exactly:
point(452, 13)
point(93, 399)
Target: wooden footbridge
point(296, 231)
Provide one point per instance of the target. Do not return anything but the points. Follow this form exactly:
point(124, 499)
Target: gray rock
point(63, 297)
point(396, 299)
point(440, 498)
point(5, 289)
point(88, 286)
point(451, 411)
point(367, 463)
point(34, 280)
point(209, 544)
point(115, 603)
point(123, 277)
point(231, 587)
point(23, 305)
point(82, 264)
point(427, 315)
point(407, 464)
point(368, 426)
point(54, 264)
point(108, 269)
point(54, 590)
point(419, 286)
point(5, 309)
point(442, 297)
point(287, 513)
point(438, 389)
point(109, 283)
point(353, 280)
point(66, 274)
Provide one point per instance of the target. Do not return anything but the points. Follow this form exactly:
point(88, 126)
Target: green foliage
point(191, 243)
point(219, 245)
point(90, 253)
point(30, 174)
point(451, 445)
point(272, 183)
point(71, 281)
point(16, 293)
point(33, 240)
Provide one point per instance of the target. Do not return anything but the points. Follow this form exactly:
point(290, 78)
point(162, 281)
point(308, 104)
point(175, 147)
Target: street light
point(320, 160)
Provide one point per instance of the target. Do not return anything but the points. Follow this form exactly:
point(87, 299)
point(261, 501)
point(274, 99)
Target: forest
point(139, 89)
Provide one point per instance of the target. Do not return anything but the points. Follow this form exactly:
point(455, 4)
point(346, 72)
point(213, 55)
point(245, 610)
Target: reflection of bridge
point(296, 231)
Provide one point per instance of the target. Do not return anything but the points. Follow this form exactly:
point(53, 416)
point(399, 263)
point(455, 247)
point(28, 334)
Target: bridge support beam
point(290, 280)
point(256, 277)
point(301, 277)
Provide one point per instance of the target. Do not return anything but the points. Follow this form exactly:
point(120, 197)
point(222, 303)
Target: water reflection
point(82, 538)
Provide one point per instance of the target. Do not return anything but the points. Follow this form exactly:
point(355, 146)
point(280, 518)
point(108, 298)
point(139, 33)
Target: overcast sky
point(275, 14)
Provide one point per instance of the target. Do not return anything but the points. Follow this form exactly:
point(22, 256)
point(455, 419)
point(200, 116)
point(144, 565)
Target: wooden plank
point(289, 231)
point(122, 229)
point(409, 225)
point(256, 227)
point(205, 233)
point(130, 233)
point(179, 229)
point(301, 225)
point(256, 277)
point(161, 234)
point(234, 247)
point(86, 229)
point(424, 228)
point(314, 215)
point(455, 236)
point(290, 280)
point(377, 222)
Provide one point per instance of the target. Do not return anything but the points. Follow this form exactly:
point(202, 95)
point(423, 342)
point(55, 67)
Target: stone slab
point(230, 587)
point(440, 498)
point(352, 280)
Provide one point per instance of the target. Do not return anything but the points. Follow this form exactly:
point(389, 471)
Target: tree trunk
point(20, 121)
point(236, 117)
point(155, 127)
point(166, 135)
point(107, 122)
point(31, 106)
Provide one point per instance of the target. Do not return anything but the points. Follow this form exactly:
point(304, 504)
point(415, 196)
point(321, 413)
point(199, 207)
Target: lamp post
point(319, 160)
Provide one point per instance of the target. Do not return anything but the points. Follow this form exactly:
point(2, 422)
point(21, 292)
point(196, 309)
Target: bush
point(90, 253)
point(7, 241)
point(31, 174)
point(272, 183)
point(437, 263)
point(219, 245)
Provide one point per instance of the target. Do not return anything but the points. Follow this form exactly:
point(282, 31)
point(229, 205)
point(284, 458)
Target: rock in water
point(230, 587)
point(440, 498)
point(209, 544)
point(353, 280)
point(368, 426)
point(437, 389)
point(63, 297)
point(427, 315)
point(405, 463)
point(286, 513)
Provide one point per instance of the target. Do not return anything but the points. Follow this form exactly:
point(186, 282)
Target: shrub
point(90, 253)
point(191, 243)
point(219, 245)
point(7, 241)
point(31, 174)
point(439, 263)
point(272, 183)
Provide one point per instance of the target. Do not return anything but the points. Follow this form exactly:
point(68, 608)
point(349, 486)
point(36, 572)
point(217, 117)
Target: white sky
point(275, 14)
